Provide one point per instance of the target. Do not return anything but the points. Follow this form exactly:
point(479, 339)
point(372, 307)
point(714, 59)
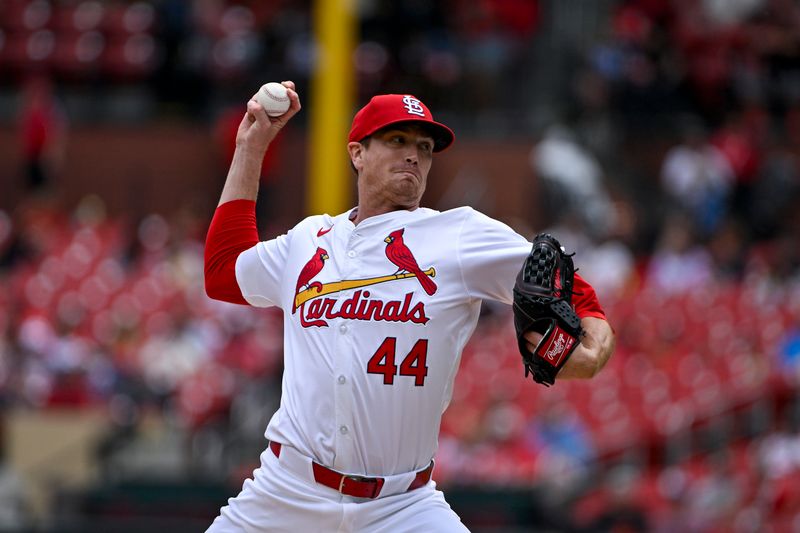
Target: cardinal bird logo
point(312, 268)
point(399, 254)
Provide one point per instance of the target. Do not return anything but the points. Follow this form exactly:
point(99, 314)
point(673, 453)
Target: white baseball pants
point(277, 499)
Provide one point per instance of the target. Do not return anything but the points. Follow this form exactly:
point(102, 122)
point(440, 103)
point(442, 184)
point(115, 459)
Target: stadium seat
point(77, 57)
point(130, 59)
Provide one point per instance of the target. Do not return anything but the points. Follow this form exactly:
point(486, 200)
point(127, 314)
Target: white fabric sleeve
point(490, 256)
point(259, 271)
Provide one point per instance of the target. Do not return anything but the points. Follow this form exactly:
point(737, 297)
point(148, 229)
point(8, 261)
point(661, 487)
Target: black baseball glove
point(543, 303)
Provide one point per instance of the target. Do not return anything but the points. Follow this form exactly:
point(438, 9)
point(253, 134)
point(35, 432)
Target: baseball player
point(378, 304)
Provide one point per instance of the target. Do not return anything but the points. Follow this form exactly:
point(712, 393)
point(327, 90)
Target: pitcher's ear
point(356, 151)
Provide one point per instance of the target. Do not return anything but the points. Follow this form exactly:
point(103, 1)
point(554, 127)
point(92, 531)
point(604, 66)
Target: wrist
point(250, 149)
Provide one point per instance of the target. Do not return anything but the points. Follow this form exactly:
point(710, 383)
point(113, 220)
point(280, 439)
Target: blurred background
point(658, 138)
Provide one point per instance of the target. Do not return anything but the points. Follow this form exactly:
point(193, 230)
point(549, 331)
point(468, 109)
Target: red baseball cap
point(386, 109)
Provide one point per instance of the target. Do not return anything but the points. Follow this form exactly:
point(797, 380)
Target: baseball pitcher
point(378, 304)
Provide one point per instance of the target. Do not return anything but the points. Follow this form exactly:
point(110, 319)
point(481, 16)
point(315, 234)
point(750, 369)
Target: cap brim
point(443, 136)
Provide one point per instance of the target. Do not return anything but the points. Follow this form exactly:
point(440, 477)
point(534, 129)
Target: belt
point(357, 486)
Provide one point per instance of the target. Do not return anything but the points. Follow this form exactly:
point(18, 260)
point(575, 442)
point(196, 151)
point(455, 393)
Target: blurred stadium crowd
point(670, 135)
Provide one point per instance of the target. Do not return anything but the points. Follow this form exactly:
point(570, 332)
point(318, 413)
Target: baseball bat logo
point(364, 307)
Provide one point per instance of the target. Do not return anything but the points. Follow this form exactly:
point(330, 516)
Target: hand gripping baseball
point(542, 303)
point(257, 128)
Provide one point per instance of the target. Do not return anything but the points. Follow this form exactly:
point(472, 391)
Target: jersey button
point(343, 430)
point(342, 380)
point(351, 254)
point(343, 328)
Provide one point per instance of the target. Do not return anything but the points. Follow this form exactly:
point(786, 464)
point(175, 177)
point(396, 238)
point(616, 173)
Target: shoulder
point(468, 213)
point(453, 215)
point(313, 220)
point(447, 223)
point(474, 220)
point(317, 222)
point(467, 223)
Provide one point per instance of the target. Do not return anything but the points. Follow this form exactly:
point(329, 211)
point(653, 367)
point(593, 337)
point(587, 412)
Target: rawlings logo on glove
point(542, 303)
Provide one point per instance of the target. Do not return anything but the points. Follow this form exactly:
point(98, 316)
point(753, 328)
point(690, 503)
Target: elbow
point(601, 349)
point(213, 281)
point(602, 356)
point(212, 291)
point(212, 288)
point(222, 286)
point(594, 369)
point(592, 362)
point(208, 277)
point(588, 369)
point(595, 366)
point(592, 353)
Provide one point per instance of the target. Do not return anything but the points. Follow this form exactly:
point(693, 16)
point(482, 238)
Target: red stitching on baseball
point(278, 98)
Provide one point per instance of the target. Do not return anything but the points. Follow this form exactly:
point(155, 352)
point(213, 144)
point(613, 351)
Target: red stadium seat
point(25, 15)
point(77, 57)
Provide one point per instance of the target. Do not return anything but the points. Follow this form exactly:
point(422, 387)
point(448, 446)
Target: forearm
point(255, 133)
point(243, 175)
point(592, 353)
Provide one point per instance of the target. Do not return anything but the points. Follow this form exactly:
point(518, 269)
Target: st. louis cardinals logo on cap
point(413, 106)
point(360, 306)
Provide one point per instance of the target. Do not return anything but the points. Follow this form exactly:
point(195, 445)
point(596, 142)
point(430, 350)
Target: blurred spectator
point(595, 124)
point(740, 144)
point(714, 495)
point(620, 509)
point(492, 35)
point(678, 263)
point(727, 248)
point(730, 12)
point(775, 192)
point(611, 267)
point(124, 420)
point(12, 245)
point(790, 354)
point(42, 128)
point(572, 180)
point(609, 263)
point(779, 452)
point(775, 262)
point(779, 457)
point(697, 177)
point(566, 448)
point(173, 353)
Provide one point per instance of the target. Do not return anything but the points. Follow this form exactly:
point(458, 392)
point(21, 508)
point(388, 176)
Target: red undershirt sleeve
point(232, 231)
point(585, 299)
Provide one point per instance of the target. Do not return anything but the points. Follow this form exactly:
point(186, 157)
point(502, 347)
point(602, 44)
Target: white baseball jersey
point(375, 320)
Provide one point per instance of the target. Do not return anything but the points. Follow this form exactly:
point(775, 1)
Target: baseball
point(273, 98)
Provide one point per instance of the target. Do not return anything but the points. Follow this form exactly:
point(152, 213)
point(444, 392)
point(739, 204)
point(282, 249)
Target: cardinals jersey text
point(375, 320)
